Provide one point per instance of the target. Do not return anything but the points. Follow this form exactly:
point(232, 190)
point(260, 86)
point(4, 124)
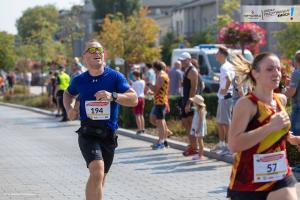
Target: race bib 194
point(97, 110)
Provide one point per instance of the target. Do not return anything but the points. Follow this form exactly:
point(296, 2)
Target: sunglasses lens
point(93, 50)
point(100, 50)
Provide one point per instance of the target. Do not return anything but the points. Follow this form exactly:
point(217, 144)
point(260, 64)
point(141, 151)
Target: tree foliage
point(132, 39)
point(7, 53)
point(288, 39)
point(35, 20)
point(169, 42)
point(125, 7)
point(228, 8)
point(36, 29)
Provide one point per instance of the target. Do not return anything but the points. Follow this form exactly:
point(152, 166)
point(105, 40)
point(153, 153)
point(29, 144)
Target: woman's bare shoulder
point(245, 106)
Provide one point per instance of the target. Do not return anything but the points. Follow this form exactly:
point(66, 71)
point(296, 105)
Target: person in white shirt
point(139, 87)
point(225, 100)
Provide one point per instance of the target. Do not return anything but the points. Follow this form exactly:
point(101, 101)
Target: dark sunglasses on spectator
point(92, 50)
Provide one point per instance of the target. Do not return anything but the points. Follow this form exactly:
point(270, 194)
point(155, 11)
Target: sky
point(11, 10)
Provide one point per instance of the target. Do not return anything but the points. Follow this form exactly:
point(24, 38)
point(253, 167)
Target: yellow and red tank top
point(242, 174)
point(161, 96)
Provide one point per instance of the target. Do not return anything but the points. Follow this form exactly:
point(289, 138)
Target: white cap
point(184, 56)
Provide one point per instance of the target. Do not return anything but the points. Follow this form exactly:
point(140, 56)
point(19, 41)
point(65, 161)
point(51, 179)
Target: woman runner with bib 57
point(258, 134)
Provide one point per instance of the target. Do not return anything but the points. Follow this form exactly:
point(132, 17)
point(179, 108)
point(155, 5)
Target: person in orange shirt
point(2, 84)
point(157, 116)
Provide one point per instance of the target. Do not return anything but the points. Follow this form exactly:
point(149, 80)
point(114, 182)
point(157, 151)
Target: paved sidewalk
point(40, 159)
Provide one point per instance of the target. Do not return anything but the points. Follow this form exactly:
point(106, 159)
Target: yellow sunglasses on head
point(93, 50)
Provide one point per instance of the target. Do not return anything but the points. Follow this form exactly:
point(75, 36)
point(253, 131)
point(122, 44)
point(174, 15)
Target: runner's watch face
point(114, 96)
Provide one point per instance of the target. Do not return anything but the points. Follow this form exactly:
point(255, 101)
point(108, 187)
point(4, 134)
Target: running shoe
point(189, 151)
point(158, 146)
point(166, 144)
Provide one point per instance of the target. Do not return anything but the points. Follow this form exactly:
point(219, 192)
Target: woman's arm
point(238, 138)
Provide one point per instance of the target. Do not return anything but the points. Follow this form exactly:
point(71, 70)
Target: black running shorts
point(92, 148)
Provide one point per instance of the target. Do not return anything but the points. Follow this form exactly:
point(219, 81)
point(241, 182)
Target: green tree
point(7, 53)
point(36, 19)
point(228, 9)
point(104, 7)
point(132, 39)
point(36, 29)
point(288, 39)
point(204, 37)
point(169, 42)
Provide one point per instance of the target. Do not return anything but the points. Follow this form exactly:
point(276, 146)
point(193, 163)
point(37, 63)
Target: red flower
point(245, 35)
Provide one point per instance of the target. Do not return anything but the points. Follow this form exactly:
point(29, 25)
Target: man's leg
point(152, 119)
point(142, 122)
point(137, 120)
point(187, 121)
point(221, 132)
point(192, 148)
point(161, 129)
point(94, 186)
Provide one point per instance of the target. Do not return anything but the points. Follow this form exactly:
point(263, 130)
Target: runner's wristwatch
point(114, 96)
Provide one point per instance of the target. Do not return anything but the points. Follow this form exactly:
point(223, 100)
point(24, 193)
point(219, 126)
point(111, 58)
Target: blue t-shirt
point(86, 87)
point(295, 83)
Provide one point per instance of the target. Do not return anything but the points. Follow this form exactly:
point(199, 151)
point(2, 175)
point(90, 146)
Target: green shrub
point(20, 90)
point(127, 119)
point(40, 101)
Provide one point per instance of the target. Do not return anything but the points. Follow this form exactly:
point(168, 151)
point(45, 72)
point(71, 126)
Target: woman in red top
point(258, 133)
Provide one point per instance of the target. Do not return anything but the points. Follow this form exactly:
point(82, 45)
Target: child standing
point(199, 128)
point(139, 86)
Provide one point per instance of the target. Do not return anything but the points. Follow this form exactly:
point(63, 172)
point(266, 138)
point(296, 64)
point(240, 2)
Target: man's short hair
point(91, 41)
point(297, 56)
point(159, 65)
point(136, 73)
point(149, 65)
point(223, 50)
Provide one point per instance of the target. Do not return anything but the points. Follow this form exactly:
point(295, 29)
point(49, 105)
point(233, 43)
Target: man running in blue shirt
point(100, 91)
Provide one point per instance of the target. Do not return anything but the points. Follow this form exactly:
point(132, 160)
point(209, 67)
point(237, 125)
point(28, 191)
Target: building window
point(157, 11)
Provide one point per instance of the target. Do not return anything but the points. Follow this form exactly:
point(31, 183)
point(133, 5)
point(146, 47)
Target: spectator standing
point(51, 82)
point(294, 91)
point(201, 85)
point(176, 77)
point(158, 112)
point(149, 77)
point(190, 82)
point(2, 84)
point(11, 80)
point(199, 128)
point(76, 70)
point(28, 78)
point(54, 81)
point(139, 87)
point(224, 109)
point(63, 81)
